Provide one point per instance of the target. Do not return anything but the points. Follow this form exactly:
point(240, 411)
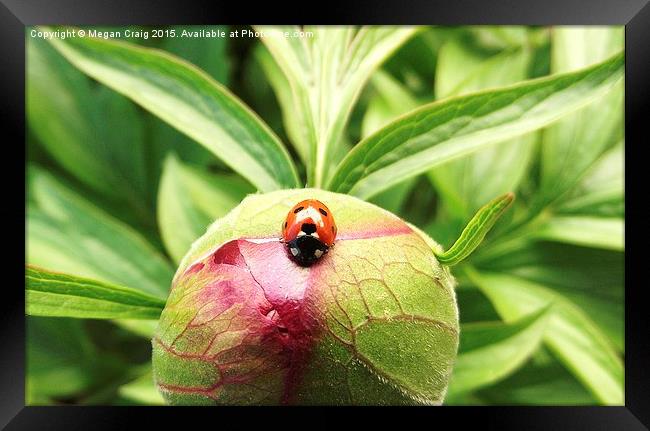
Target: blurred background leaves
point(116, 195)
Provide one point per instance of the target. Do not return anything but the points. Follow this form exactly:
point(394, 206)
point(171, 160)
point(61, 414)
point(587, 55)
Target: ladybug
point(308, 231)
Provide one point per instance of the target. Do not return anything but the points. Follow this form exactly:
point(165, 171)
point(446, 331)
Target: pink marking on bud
point(257, 289)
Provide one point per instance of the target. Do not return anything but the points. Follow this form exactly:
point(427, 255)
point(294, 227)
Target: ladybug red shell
point(309, 231)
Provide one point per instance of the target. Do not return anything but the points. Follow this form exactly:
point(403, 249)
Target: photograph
point(380, 215)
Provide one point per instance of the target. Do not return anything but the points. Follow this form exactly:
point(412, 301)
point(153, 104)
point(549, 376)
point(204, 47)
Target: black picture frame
point(634, 14)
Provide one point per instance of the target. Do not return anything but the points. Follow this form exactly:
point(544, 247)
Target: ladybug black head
point(306, 249)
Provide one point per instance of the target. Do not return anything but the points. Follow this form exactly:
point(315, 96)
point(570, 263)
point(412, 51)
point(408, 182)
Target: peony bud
point(374, 321)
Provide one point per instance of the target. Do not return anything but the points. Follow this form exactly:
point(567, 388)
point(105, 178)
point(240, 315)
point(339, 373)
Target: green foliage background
point(116, 195)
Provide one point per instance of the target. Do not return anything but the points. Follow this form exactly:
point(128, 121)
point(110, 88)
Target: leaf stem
point(476, 229)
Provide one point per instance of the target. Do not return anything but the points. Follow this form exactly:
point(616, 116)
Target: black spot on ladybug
point(297, 210)
point(285, 224)
point(322, 211)
point(308, 228)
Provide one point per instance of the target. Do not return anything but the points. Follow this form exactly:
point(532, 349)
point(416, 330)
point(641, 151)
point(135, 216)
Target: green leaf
point(142, 390)
point(94, 133)
point(76, 361)
point(61, 295)
point(586, 231)
point(572, 145)
point(452, 128)
point(59, 357)
point(59, 113)
point(538, 384)
point(475, 231)
point(66, 233)
point(592, 278)
point(191, 101)
point(394, 198)
point(469, 182)
point(500, 36)
point(391, 100)
point(463, 70)
point(490, 351)
point(209, 54)
point(414, 63)
point(571, 335)
point(601, 192)
point(326, 73)
point(189, 200)
point(475, 306)
point(291, 115)
point(142, 328)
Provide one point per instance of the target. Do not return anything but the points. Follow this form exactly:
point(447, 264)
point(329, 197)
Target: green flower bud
point(374, 321)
